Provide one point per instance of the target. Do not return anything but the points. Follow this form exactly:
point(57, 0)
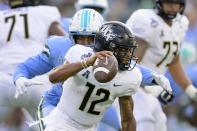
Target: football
point(105, 69)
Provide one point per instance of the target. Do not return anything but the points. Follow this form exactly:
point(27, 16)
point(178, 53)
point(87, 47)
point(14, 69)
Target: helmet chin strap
point(121, 65)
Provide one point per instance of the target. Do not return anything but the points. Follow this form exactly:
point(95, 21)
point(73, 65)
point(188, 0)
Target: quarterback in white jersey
point(88, 110)
point(24, 29)
point(84, 100)
point(160, 32)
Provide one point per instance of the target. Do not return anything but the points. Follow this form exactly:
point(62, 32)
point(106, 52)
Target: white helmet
point(85, 22)
point(99, 5)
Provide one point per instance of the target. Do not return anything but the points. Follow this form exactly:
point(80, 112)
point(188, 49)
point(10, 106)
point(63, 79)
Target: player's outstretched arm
point(178, 74)
point(32, 67)
point(67, 70)
point(126, 112)
point(157, 84)
point(25, 71)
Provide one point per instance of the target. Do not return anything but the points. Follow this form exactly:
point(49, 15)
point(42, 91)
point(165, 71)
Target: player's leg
point(48, 103)
point(15, 121)
point(146, 124)
point(110, 121)
point(10, 113)
point(159, 116)
point(6, 87)
point(43, 111)
point(156, 119)
point(143, 112)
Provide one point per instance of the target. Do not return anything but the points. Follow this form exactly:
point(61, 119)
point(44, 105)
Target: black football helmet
point(116, 37)
point(168, 16)
point(23, 3)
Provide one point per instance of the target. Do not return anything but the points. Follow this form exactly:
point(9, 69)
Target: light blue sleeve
point(32, 67)
point(147, 77)
point(46, 60)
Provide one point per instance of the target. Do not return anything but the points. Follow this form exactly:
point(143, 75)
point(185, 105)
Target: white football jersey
point(164, 40)
point(84, 99)
point(23, 33)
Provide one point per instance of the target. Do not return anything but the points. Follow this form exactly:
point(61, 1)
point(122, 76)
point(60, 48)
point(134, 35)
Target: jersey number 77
point(168, 46)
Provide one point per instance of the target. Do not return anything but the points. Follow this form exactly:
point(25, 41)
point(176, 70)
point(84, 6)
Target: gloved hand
point(191, 91)
point(22, 85)
point(162, 89)
point(162, 81)
point(162, 94)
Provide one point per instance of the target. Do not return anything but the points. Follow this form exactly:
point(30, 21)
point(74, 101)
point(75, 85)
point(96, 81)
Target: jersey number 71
point(13, 19)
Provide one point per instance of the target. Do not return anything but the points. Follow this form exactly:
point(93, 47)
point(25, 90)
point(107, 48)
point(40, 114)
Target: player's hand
point(162, 81)
point(165, 96)
point(90, 61)
point(22, 85)
point(191, 91)
point(162, 94)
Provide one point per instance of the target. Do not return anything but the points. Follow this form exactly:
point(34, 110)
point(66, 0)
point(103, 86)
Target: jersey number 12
point(100, 91)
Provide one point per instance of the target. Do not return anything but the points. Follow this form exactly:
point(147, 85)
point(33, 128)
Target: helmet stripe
point(85, 19)
point(89, 15)
point(82, 17)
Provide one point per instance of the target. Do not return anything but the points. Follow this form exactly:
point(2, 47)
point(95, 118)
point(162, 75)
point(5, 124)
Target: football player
point(160, 34)
point(82, 106)
point(24, 29)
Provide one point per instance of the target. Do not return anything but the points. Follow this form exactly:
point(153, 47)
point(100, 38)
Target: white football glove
point(22, 85)
point(162, 90)
point(191, 91)
point(162, 81)
point(162, 94)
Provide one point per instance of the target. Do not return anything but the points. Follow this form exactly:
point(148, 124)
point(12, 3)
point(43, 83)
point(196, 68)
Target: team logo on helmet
point(108, 33)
